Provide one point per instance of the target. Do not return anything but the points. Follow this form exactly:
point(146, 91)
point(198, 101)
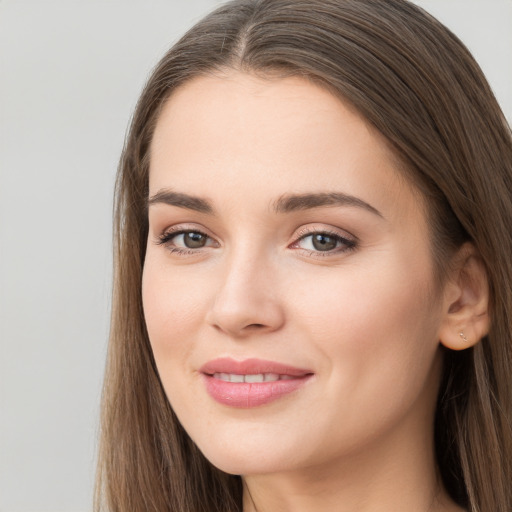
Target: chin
point(234, 465)
point(243, 460)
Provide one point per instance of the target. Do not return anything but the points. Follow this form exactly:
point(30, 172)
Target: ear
point(466, 301)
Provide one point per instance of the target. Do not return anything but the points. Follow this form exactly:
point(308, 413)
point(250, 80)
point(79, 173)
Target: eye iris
point(194, 240)
point(324, 242)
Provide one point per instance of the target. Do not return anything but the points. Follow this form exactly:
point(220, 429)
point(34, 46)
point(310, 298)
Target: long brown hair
point(419, 86)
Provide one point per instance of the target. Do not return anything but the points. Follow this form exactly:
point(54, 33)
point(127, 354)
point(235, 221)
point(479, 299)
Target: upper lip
point(251, 367)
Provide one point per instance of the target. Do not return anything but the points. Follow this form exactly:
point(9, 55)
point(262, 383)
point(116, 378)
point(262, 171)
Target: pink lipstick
point(251, 382)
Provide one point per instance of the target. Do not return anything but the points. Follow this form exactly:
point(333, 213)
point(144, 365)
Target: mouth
point(252, 382)
point(256, 377)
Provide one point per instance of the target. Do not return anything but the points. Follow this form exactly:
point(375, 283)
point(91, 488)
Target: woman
point(312, 301)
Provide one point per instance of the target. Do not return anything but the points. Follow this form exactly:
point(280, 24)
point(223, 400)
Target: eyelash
point(347, 244)
point(166, 238)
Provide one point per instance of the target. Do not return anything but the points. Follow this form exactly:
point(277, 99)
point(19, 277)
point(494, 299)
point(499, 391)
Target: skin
point(366, 318)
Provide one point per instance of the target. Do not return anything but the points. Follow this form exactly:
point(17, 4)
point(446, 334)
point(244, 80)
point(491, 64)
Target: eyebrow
point(180, 200)
point(285, 204)
point(293, 202)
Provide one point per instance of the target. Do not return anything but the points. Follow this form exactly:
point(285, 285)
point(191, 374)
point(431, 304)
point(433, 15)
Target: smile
point(258, 377)
point(252, 382)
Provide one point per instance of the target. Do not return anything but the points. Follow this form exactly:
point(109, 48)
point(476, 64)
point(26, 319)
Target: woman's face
point(288, 283)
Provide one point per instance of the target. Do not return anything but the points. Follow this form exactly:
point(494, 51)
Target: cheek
point(360, 302)
point(172, 305)
point(376, 332)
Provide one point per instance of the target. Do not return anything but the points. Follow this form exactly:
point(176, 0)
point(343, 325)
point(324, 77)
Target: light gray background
point(70, 74)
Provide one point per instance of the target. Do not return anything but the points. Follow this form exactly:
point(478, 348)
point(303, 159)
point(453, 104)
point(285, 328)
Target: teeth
point(259, 377)
point(254, 378)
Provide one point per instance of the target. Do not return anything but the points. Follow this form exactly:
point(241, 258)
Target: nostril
point(255, 326)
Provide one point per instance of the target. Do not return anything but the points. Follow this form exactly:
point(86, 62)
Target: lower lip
point(247, 395)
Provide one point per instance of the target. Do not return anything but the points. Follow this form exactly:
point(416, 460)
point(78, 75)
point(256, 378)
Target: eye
point(190, 240)
point(324, 242)
point(185, 240)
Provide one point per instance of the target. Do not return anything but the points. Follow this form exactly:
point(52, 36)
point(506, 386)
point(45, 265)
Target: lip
point(251, 394)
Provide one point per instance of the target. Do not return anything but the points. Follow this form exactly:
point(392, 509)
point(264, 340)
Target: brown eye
point(194, 240)
point(322, 242)
point(325, 242)
point(185, 240)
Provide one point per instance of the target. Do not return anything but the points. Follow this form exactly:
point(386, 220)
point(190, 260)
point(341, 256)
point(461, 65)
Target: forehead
point(242, 134)
point(231, 108)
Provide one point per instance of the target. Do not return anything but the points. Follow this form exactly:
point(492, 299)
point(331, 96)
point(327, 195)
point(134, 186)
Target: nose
point(246, 300)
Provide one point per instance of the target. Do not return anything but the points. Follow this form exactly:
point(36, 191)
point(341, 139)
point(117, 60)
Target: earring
point(463, 336)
